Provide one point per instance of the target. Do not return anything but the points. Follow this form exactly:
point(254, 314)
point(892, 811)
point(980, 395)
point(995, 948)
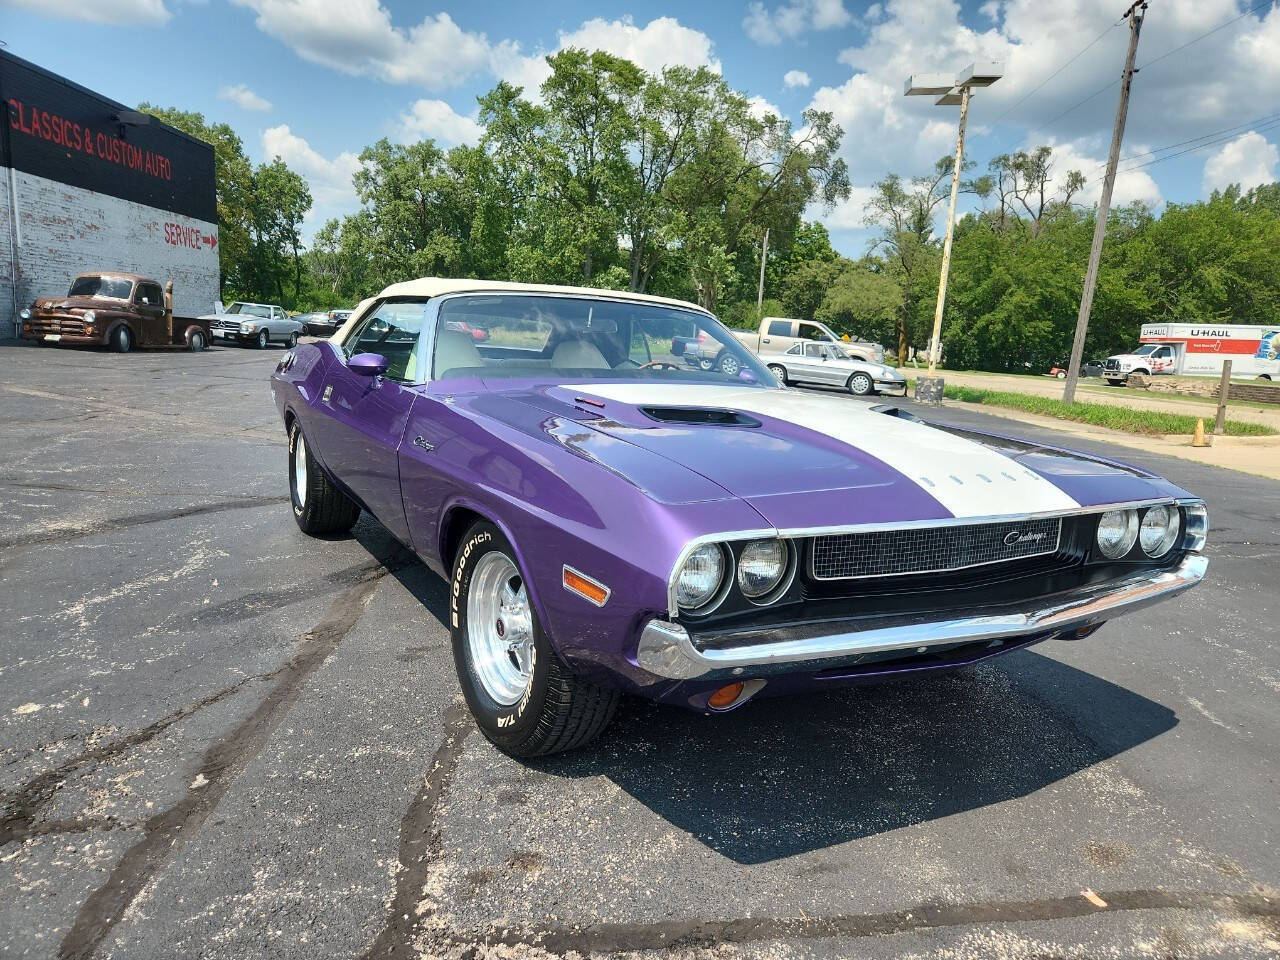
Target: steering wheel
point(660, 365)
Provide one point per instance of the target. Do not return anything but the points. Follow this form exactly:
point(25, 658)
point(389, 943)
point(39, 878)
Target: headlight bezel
point(713, 598)
point(1170, 529)
point(24, 313)
point(786, 573)
point(89, 316)
point(1128, 539)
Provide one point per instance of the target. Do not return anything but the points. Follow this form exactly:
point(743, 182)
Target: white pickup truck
point(779, 334)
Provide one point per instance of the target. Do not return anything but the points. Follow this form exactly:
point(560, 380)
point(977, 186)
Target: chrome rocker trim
point(666, 649)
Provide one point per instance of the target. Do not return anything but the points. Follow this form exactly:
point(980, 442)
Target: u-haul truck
point(1193, 349)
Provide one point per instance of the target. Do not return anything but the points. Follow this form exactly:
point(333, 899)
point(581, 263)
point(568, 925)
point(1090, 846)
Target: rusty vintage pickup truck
point(116, 310)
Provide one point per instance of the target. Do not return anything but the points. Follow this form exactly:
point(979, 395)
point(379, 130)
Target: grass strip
point(1150, 422)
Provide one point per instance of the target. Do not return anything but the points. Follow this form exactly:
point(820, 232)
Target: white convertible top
point(439, 286)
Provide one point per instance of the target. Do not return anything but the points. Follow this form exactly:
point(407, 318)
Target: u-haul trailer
point(1193, 349)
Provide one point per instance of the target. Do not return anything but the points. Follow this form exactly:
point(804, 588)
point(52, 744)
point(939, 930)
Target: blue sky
point(316, 80)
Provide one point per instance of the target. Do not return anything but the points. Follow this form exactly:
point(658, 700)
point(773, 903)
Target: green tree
point(862, 302)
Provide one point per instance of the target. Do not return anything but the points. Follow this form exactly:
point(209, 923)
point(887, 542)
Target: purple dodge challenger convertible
point(612, 519)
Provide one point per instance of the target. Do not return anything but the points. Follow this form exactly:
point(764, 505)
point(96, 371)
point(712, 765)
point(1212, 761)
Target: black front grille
point(886, 553)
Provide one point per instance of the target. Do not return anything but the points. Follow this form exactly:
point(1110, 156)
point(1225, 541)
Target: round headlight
point(1160, 528)
point(25, 313)
point(761, 566)
point(1117, 530)
point(700, 576)
point(90, 316)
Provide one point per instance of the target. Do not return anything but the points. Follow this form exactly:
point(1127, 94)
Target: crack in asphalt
point(420, 841)
point(668, 934)
point(24, 804)
point(110, 525)
point(167, 832)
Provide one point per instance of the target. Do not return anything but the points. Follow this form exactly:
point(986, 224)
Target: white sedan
point(831, 365)
point(256, 323)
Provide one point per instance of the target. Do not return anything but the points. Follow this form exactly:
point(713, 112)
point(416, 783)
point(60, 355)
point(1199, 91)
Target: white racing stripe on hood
point(967, 478)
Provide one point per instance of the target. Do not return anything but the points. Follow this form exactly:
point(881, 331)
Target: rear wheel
point(780, 372)
point(263, 337)
point(523, 699)
point(121, 339)
point(730, 365)
point(861, 384)
point(318, 506)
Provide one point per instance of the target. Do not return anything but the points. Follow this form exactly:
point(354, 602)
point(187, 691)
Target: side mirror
point(368, 364)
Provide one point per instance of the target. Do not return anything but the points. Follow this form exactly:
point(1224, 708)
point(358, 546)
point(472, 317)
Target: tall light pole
point(951, 92)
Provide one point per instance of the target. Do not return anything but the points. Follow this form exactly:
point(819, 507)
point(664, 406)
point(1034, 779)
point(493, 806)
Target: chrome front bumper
point(667, 650)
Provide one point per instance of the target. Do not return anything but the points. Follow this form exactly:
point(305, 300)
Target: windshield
point(110, 288)
point(578, 338)
point(250, 309)
point(1144, 351)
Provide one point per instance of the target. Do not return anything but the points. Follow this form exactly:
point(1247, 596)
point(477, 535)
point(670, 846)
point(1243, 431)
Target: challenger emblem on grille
point(887, 553)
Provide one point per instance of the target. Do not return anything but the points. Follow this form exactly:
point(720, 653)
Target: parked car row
point(126, 310)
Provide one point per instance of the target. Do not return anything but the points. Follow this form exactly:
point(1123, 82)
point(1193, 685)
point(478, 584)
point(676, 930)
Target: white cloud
point(99, 11)
point(244, 98)
point(357, 37)
point(1089, 157)
point(771, 26)
point(439, 121)
point(1248, 160)
point(332, 192)
point(761, 108)
point(796, 78)
point(1226, 77)
point(662, 42)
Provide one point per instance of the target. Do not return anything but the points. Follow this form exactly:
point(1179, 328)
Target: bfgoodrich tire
point(318, 506)
point(523, 699)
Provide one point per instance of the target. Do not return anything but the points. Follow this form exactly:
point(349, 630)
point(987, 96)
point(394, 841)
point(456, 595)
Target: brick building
point(89, 184)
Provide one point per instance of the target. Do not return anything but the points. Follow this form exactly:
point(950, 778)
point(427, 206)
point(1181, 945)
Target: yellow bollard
point(1199, 439)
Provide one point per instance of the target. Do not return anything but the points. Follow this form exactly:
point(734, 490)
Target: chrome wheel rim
point(300, 470)
point(500, 629)
point(861, 383)
point(780, 374)
point(730, 366)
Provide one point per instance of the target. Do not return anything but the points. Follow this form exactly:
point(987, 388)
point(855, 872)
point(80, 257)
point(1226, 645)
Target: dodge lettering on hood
point(613, 520)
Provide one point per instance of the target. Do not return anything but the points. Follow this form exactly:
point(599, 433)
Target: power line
point(1078, 55)
point(1230, 131)
point(1202, 146)
point(1163, 56)
point(1208, 33)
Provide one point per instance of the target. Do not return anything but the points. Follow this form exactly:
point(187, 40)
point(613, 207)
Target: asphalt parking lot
point(224, 739)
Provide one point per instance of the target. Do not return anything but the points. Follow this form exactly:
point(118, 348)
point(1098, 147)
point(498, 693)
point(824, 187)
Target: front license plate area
point(53, 336)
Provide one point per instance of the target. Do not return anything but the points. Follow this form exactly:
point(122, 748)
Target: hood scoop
point(692, 416)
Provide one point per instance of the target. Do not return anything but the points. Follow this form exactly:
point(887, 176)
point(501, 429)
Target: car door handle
point(424, 443)
point(328, 390)
point(766, 340)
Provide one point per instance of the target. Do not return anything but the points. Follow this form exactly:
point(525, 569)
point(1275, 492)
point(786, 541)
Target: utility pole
point(764, 252)
point(1135, 15)
point(936, 345)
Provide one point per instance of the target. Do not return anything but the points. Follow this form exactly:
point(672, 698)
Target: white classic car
point(256, 323)
point(829, 364)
